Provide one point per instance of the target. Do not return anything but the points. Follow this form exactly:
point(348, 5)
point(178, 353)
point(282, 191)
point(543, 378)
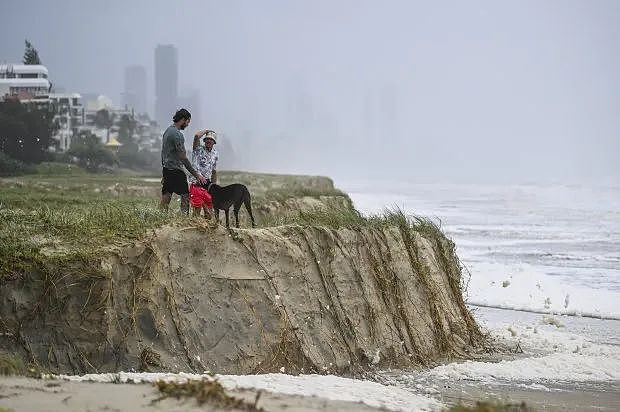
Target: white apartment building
point(68, 116)
point(30, 85)
point(23, 81)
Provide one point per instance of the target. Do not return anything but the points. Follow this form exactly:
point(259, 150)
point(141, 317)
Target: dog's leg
point(248, 206)
point(226, 213)
point(236, 212)
point(217, 216)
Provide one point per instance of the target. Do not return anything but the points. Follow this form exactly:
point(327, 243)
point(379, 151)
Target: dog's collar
point(209, 187)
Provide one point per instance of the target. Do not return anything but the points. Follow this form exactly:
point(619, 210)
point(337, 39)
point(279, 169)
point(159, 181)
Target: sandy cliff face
point(300, 298)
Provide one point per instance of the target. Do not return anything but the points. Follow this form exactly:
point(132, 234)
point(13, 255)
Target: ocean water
point(548, 248)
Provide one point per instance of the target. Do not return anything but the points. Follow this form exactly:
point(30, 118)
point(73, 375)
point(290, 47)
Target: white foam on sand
point(324, 386)
point(551, 355)
point(529, 288)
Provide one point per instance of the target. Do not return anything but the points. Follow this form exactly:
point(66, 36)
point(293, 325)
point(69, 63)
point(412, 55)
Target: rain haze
point(477, 91)
point(381, 206)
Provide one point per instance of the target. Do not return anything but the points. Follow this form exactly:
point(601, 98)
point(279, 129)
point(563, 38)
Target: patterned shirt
point(204, 162)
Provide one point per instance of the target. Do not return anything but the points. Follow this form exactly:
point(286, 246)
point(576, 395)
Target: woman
point(204, 160)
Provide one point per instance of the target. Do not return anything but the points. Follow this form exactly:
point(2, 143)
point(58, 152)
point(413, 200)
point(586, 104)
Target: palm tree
point(104, 120)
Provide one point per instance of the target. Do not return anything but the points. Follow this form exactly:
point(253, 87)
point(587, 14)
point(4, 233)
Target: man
point(173, 157)
point(204, 160)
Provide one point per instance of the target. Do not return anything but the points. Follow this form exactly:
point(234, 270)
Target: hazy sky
point(467, 90)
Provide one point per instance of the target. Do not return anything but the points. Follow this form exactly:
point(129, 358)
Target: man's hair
point(181, 114)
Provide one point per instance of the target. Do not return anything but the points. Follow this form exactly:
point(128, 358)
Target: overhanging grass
point(351, 218)
point(407, 224)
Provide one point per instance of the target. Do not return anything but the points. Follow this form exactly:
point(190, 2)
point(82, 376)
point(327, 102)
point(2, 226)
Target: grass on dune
point(67, 211)
point(75, 214)
point(11, 365)
point(71, 233)
point(80, 213)
point(351, 218)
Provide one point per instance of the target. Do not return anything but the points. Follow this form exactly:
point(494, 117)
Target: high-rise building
point(166, 83)
point(134, 96)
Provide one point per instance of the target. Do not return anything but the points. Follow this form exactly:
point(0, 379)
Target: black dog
point(232, 195)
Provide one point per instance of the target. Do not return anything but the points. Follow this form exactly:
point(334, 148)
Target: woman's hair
point(181, 114)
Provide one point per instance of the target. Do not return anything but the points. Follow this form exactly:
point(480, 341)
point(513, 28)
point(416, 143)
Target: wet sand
point(582, 397)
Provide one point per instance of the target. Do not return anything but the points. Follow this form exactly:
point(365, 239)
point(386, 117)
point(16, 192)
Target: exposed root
point(149, 358)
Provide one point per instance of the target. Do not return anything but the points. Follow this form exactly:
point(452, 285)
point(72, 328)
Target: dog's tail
point(248, 206)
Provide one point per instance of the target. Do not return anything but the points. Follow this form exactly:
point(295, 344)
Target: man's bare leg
point(185, 204)
point(207, 212)
point(195, 211)
point(165, 201)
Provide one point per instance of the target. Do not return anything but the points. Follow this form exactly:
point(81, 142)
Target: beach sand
point(25, 394)
point(21, 394)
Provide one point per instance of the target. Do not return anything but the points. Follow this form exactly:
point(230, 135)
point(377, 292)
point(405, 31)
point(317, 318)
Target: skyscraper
point(166, 83)
point(134, 96)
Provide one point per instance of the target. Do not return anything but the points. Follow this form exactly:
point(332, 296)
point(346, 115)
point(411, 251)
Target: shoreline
point(543, 312)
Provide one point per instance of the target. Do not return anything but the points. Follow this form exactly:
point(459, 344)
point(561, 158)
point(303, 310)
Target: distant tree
point(103, 119)
point(129, 154)
point(31, 55)
point(25, 132)
point(90, 153)
point(126, 129)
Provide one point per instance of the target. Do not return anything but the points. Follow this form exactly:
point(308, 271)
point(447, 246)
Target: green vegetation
point(25, 132)
point(281, 187)
point(205, 391)
point(13, 167)
point(62, 211)
point(73, 214)
point(91, 154)
point(31, 55)
point(11, 365)
point(281, 195)
point(351, 218)
point(57, 168)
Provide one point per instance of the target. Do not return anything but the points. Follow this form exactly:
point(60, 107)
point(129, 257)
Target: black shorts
point(174, 181)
